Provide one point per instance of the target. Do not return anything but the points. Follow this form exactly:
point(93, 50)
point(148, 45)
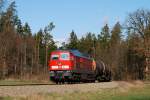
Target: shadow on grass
point(6, 98)
point(131, 97)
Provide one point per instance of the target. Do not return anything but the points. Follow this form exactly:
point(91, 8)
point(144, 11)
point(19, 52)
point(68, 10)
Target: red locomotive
point(73, 66)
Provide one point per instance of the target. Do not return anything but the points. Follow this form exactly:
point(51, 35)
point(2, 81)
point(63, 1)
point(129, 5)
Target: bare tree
point(47, 40)
point(139, 23)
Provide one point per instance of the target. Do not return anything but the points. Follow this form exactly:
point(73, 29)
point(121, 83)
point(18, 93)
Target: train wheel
point(108, 77)
point(98, 78)
point(57, 82)
point(93, 81)
point(63, 82)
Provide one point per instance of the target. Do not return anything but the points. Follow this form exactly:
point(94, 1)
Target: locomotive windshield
point(64, 56)
point(55, 57)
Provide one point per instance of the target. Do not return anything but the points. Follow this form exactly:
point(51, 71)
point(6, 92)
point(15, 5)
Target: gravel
point(36, 89)
point(24, 91)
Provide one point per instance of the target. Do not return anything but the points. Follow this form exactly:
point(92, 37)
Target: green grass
point(106, 94)
point(134, 94)
point(114, 94)
point(6, 98)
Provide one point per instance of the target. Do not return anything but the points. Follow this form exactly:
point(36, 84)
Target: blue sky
point(82, 16)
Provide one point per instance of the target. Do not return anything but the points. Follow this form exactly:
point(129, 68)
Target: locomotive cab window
point(54, 57)
point(64, 56)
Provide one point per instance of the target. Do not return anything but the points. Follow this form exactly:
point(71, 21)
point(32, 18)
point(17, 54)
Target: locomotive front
point(60, 65)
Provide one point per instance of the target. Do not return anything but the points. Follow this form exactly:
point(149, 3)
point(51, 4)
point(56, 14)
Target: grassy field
point(139, 93)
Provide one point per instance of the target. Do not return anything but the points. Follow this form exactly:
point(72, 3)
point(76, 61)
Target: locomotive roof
point(76, 53)
point(79, 54)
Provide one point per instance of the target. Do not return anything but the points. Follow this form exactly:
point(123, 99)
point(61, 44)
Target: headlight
point(65, 67)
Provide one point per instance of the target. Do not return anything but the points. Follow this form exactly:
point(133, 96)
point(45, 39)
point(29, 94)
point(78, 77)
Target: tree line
point(128, 55)
point(24, 54)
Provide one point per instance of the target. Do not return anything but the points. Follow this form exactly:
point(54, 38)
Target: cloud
point(59, 41)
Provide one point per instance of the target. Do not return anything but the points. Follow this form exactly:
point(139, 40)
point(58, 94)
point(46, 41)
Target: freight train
point(73, 66)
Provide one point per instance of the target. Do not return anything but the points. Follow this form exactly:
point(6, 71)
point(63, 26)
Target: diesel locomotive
point(73, 66)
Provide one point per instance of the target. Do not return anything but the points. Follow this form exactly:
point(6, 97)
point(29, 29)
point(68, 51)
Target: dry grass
point(135, 90)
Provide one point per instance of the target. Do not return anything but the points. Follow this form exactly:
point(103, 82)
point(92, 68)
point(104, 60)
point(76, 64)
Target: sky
point(82, 16)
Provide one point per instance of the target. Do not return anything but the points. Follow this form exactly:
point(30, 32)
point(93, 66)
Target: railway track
point(34, 84)
point(38, 84)
point(49, 84)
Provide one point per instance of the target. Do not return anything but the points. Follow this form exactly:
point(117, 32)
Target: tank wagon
point(73, 66)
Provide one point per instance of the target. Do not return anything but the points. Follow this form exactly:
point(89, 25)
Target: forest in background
point(25, 55)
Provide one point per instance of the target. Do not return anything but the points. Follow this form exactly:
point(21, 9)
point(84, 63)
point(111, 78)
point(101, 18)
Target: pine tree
point(115, 51)
point(7, 36)
point(105, 36)
point(73, 41)
point(27, 30)
point(116, 33)
point(87, 44)
point(19, 27)
point(103, 44)
point(48, 40)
